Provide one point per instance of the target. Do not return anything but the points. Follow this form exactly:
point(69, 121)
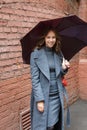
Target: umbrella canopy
point(72, 30)
point(80, 32)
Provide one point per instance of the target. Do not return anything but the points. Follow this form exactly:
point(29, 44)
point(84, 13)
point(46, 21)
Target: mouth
point(51, 44)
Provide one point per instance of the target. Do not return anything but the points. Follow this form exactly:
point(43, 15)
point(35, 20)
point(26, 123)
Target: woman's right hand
point(40, 106)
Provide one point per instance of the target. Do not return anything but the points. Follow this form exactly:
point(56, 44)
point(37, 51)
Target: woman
point(47, 68)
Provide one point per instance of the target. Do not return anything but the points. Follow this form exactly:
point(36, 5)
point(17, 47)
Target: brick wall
point(83, 56)
point(16, 19)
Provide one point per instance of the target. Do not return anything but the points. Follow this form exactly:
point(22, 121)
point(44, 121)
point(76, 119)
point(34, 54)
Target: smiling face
point(50, 39)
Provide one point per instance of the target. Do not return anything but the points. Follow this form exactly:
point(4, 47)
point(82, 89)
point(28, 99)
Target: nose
point(51, 39)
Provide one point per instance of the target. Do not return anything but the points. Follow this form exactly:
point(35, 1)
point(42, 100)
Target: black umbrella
point(72, 30)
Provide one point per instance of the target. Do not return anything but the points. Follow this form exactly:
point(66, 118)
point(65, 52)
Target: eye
point(48, 37)
point(54, 37)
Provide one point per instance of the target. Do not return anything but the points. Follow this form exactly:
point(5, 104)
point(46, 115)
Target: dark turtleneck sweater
point(51, 63)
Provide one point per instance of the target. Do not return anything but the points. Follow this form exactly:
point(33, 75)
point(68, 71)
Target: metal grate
point(25, 121)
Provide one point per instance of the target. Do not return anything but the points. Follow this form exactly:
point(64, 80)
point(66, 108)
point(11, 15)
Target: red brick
point(3, 35)
point(7, 10)
point(10, 48)
point(6, 29)
point(7, 62)
point(5, 16)
point(1, 29)
point(14, 80)
point(16, 18)
point(14, 24)
point(20, 12)
point(4, 56)
point(23, 30)
point(13, 29)
point(3, 23)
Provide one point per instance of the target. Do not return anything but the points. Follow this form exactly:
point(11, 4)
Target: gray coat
point(40, 88)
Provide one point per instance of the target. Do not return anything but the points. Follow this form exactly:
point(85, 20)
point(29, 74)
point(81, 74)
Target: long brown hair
point(41, 41)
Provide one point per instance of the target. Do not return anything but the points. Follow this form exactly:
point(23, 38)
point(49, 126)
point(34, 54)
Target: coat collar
point(42, 62)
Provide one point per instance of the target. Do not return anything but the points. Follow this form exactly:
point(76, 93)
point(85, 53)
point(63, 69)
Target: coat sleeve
point(36, 86)
point(63, 72)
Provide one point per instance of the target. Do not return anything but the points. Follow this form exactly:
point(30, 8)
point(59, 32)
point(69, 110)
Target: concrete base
point(78, 112)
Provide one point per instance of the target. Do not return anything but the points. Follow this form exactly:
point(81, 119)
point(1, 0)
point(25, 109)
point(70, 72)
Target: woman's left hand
point(65, 64)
